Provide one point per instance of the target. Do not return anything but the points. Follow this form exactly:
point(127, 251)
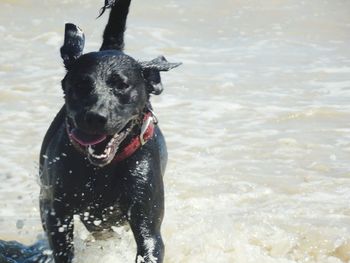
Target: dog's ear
point(73, 46)
point(151, 72)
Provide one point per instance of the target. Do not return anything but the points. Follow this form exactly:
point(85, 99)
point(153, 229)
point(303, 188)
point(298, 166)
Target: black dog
point(104, 156)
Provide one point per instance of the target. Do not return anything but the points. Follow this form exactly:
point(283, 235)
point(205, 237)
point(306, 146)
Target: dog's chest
point(94, 189)
point(102, 199)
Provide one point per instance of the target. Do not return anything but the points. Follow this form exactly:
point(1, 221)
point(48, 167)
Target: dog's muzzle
point(103, 149)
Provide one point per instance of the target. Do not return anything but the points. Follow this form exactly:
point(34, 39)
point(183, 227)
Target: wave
point(15, 252)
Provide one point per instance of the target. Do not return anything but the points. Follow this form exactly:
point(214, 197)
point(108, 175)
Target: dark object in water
point(14, 252)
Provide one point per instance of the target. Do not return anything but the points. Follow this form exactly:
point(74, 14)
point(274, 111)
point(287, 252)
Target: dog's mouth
point(99, 148)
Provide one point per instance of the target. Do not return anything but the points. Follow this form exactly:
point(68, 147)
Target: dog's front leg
point(59, 228)
point(150, 247)
point(145, 213)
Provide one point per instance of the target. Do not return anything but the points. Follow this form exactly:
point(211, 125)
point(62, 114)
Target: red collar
point(147, 132)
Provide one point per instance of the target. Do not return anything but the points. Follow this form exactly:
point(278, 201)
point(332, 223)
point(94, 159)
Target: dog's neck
point(138, 124)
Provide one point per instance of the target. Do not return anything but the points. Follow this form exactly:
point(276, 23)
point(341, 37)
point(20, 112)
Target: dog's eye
point(122, 86)
point(83, 88)
point(81, 92)
point(116, 82)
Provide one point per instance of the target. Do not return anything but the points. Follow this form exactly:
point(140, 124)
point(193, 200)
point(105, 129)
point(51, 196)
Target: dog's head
point(106, 92)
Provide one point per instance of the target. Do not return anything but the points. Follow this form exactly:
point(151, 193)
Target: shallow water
point(256, 120)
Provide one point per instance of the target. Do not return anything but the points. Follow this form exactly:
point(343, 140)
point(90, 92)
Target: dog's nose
point(95, 119)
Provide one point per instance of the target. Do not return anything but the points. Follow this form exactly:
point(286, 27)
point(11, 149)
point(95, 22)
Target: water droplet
point(20, 224)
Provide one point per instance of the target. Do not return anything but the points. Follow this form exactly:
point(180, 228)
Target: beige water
point(256, 120)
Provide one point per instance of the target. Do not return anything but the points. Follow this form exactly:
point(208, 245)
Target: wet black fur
point(104, 91)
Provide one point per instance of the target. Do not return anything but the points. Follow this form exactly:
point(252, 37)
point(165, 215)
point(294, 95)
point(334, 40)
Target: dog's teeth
point(110, 146)
point(107, 150)
point(102, 156)
point(91, 150)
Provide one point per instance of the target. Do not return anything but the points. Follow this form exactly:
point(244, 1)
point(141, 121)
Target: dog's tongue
point(87, 139)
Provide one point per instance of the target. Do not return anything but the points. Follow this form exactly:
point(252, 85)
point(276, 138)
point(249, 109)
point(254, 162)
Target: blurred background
point(256, 121)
